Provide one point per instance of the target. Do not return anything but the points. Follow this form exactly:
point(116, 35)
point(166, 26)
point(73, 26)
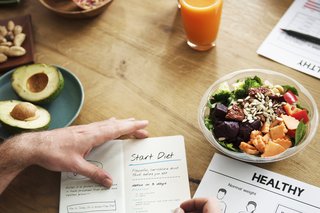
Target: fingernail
point(107, 182)
point(144, 122)
point(178, 210)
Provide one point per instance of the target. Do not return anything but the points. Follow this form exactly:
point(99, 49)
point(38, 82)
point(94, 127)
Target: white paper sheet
point(149, 175)
point(302, 16)
point(240, 187)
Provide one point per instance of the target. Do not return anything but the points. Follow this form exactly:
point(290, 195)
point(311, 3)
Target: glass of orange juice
point(201, 20)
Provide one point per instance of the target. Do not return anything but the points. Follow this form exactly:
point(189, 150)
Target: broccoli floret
point(254, 82)
point(240, 93)
point(223, 97)
point(242, 87)
point(222, 94)
point(258, 80)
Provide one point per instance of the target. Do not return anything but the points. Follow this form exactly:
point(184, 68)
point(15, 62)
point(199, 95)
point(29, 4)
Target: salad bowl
point(272, 78)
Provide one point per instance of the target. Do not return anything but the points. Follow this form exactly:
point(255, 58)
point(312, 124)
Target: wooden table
point(133, 61)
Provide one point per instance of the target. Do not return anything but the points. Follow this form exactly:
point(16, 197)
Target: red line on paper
point(314, 2)
point(312, 7)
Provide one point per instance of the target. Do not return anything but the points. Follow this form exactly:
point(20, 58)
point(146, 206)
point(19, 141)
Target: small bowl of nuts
point(258, 116)
point(16, 44)
point(77, 9)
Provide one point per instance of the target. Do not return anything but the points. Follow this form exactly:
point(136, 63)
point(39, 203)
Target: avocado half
point(17, 116)
point(37, 83)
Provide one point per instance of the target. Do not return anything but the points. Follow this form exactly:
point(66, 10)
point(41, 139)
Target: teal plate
point(63, 110)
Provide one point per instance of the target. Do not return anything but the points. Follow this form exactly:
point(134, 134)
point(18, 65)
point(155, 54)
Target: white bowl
point(305, 99)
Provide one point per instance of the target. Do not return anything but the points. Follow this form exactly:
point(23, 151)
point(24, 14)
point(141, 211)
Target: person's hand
point(198, 205)
point(64, 149)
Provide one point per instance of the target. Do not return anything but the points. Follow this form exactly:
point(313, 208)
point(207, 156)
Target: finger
point(112, 120)
point(93, 172)
point(139, 134)
point(109, 132)
point(128, 119)
point(178, 210)
point(211, 206)
point(194, 204)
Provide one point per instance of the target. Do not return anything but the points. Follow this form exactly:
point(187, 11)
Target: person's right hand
point(198, 205)
point(65, 149)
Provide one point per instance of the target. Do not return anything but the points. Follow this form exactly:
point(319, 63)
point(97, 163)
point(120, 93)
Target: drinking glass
point(201, 20)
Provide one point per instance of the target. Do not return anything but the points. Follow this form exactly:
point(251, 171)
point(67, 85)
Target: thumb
point(95, 173)
point(178, 210)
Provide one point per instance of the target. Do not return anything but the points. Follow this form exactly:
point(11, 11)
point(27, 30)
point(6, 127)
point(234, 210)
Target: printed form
point(241, 188)
point(149, 175)
point(303, 16)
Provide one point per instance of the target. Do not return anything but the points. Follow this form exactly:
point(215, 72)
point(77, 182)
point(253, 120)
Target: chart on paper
point(240, 188)
point(303, 16)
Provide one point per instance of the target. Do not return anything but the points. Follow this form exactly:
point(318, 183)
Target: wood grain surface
point(133, 61)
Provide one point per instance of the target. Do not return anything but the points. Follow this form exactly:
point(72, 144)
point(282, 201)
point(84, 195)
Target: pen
point(302, 36)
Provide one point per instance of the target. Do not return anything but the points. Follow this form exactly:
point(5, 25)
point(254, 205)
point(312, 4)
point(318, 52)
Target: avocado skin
point(54, 95)
point(16, 130)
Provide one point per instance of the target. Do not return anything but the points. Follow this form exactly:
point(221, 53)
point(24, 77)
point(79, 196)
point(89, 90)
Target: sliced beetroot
point(235, 141)
point(218, 112)
point(256, 125)
point(238, 141)
point(226, 129)
point(245, 131)
point(246, 128)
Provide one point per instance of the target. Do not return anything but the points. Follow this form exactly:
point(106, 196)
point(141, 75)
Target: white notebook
point(149, 175)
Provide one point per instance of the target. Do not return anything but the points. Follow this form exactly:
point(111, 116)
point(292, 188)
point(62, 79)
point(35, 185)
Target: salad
point(256, 117)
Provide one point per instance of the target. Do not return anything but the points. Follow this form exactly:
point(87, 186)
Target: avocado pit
point(17, 116)
point(37, 82)
point(24, 111)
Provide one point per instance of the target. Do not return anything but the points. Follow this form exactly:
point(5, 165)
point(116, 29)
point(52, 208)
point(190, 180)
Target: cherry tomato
point(289, 97)
point(291, 133)
point(301, 115)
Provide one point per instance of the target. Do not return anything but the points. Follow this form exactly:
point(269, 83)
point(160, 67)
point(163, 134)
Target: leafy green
point(291, 88)
point(300, 132)
point(209, 104)
point(229, 146)
point(208, 123)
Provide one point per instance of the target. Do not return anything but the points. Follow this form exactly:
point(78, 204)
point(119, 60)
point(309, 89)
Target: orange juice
point(201, 19)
